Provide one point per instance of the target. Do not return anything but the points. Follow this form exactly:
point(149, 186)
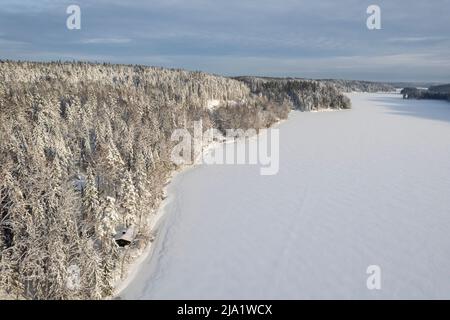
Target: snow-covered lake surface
point(367, 186)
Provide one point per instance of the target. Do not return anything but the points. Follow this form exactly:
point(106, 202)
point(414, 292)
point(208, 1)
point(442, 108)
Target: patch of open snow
point(212, 104)
point(358, 188)
point(326, 110)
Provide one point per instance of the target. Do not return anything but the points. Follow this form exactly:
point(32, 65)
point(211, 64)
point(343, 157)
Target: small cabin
point(124, 237)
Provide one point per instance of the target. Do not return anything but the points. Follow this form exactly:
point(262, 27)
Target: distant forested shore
point(439, 92)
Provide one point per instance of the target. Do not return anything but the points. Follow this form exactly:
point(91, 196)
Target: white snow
point(212, 104)
point(326, 110)
point(367, 186)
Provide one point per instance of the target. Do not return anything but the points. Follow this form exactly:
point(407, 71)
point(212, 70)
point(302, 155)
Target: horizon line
point(88, 61)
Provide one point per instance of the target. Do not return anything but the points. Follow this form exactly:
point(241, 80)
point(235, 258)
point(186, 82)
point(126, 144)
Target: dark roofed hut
point(125, 237)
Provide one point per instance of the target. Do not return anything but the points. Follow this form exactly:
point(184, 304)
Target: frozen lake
point(367, 186)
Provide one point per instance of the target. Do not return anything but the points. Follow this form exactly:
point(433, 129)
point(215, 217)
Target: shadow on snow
point(429, 109)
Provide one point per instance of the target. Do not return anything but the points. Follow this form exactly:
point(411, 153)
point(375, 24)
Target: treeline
point(442, 88)
point(85, 153)
point(360, 86)
point(301, 94)
point(440, 92)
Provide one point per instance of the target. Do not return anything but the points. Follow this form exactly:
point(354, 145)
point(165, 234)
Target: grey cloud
point(291, 37)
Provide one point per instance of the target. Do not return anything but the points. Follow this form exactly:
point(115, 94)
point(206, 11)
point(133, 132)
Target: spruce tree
point(129, 200)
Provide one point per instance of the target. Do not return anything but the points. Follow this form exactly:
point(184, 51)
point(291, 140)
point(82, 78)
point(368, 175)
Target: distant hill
point(340, 84)
point(360, 86)
point(444, 88)
point(301, 94)
point(439, 92)
point(401, 85)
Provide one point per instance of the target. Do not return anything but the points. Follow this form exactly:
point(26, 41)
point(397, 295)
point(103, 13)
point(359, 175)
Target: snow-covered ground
point(212, 104)
point(367, 186)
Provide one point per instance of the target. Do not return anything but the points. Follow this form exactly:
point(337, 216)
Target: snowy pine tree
point(91, 204)
point(107, 225)
point(92, 273)
point(129, 200)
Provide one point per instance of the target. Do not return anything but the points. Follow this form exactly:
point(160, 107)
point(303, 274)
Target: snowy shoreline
point(133, 268)
point(355, 189)
point(155, 220)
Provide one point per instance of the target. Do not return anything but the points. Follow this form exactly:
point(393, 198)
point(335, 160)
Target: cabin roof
point(126, 234)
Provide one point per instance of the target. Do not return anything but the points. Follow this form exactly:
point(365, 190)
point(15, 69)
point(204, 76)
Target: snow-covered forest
point(85, 153)
point(302, 94)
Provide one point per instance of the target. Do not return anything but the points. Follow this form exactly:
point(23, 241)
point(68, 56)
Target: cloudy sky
point(303, 38)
